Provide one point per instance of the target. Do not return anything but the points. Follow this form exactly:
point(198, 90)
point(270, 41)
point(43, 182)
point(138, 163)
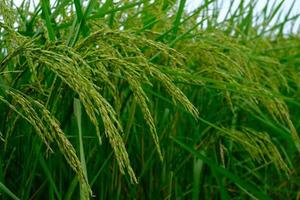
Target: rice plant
point(149, 100)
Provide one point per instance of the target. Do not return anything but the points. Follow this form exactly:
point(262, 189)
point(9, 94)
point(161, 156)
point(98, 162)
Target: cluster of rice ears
point(99, 62)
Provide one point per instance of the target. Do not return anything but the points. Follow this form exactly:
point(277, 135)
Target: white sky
point(192, 4)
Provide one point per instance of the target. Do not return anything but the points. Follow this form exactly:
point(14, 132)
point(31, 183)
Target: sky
point(192, 4)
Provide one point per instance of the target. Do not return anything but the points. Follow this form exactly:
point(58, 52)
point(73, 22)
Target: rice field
point(138, 99)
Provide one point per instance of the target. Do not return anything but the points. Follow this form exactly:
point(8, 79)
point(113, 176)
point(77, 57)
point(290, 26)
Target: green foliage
point(145, 100)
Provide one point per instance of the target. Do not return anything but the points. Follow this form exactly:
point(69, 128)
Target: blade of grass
point(8, 192)
point(81, 18)
point(126, 6)
point(220, 180)
point(178, 17)
point(273, 12)
point(60, 7)
point(71, 189)
point(46, 11)
point(101, 168)
point(79, 24)
point(47, 172)
point(287, 16)
point(77, 111)
point(249, 187)
point(78, 7)
point(173, 42)
point(194, 14)
point(102, 11)
point(197, 171)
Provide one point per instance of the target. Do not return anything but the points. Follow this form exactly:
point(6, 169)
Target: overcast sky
point(192, 4)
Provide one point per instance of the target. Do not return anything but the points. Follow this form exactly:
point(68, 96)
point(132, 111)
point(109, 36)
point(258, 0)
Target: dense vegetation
point(146, 100)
